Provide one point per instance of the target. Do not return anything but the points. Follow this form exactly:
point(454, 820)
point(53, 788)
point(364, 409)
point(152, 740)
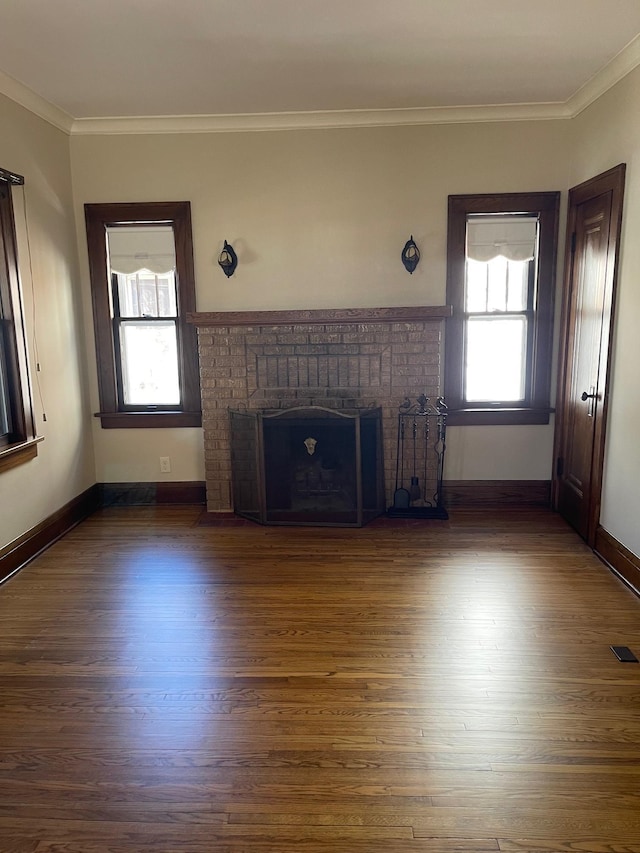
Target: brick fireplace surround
point(343, 358)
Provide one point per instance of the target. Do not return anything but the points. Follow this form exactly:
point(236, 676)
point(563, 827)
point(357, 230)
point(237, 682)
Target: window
point(18, 441)
point(142, 282)
point(500, 283)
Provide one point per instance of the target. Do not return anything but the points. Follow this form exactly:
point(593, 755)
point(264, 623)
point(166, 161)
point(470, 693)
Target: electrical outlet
point(165, 465)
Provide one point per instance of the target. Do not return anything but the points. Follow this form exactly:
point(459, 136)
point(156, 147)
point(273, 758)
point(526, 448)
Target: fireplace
point(307, 465)
point(339, 359)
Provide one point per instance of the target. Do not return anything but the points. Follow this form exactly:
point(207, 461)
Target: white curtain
point(136, 248)
point(513, 237)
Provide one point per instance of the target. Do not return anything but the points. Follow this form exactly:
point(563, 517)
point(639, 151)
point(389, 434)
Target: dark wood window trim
point(178, 214)
point(18, 442)
point(545, 205)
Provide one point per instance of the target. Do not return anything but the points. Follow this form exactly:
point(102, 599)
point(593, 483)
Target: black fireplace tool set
point(420, 459)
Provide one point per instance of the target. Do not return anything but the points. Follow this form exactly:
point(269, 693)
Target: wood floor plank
point(429, 686)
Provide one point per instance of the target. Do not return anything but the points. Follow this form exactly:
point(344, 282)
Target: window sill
point(149, 420)
point(497, 417)
point(16, 454)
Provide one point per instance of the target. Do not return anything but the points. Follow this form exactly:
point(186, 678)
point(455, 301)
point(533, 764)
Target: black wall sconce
point(228, 260)
point(410, 255)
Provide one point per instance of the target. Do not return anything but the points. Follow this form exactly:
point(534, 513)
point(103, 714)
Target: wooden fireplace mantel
point(322, 316)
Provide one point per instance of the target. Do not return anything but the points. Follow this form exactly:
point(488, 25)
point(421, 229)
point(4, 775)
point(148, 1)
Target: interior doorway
point(593, 239)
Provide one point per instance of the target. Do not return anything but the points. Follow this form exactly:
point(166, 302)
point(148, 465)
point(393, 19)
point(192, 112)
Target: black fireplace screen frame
point(308, 465)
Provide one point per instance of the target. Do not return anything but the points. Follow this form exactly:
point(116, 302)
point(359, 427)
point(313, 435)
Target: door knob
point(591, 396)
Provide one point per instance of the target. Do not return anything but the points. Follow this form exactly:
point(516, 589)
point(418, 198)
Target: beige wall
point(318, 219)
point(604, 135)
point(64, 466)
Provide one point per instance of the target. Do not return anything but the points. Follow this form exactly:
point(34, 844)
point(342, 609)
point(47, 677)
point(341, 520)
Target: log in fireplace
point(307, 465)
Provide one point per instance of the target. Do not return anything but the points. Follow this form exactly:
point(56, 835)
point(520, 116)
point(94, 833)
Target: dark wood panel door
point(594, 222)
point(583, 389)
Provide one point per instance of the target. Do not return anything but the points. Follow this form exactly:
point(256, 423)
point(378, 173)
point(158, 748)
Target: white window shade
point(141, 248)
point(511, 237)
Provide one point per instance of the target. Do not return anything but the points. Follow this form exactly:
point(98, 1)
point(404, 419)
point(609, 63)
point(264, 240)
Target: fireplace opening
point(308, 465)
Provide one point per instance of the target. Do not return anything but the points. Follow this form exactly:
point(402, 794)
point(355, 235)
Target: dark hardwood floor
point(424, 686)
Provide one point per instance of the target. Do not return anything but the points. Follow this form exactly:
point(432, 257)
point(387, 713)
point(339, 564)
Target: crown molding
point(30, 100)
point(317, 120)
point(622, 64)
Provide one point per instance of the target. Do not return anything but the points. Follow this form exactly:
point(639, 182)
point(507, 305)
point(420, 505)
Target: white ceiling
point(107, 58)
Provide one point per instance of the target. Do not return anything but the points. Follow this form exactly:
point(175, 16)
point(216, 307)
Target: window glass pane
point(497, 290)
point(495, 356)
point(143, 259)
point(476, 289)
point(518, 277)
point(496, 285)
point(149, 363)
point(5, 408)
point(145, 294)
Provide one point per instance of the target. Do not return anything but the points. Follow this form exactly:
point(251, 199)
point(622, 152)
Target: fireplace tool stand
point(420, 459)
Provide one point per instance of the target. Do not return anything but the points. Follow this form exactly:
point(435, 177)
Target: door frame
point(609, 181)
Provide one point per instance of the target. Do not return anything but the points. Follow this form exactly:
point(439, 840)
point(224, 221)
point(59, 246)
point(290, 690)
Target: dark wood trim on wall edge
point(619, 559)
point(321, 316)
point(22, 550)
point(504, 493)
